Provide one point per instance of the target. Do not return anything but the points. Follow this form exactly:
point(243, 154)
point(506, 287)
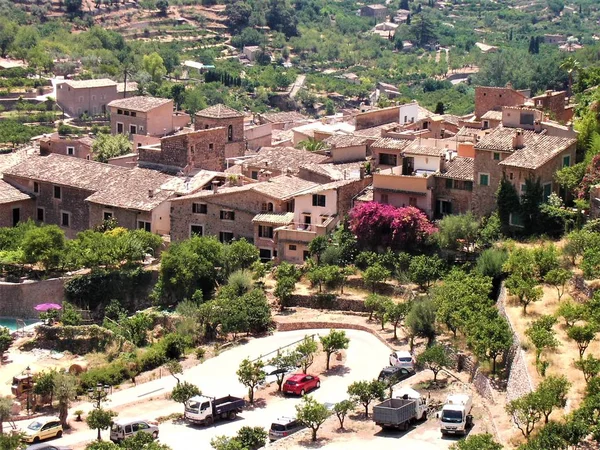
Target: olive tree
point(364, 392)
point(312, 414)
point(251, 374)
point(334, 341)
point(306, 352)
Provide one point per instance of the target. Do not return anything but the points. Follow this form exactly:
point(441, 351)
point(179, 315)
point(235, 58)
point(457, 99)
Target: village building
point(91, 97)
point(376, 11)
point(77, 146)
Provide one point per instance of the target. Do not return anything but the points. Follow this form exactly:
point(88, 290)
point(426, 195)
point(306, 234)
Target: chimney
point(517, 141)
point(537, 126)
point(215, 186)
point(150, 193)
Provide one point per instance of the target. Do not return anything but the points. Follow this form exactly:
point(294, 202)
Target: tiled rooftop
point(282, 158)
point(219, 111)
point(392, 143)
point(286, 117)
point(335, 172)
point(82, 84)
point(501, 139)
point(460, 168)
point(345, 140)
point(274, 218)
point(9, 193)
point(492, 115)
point(417, 149)
point(108, 185)
point(139, 103)
point(373, 132)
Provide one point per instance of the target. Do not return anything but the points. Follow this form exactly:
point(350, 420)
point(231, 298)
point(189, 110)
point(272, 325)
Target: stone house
point(77, 194)
point(228, 212)
point(377, 11)
point(517, 154)
point(387, 152)
point(491, 119)
point(494, 98)
point(555, 104)
point(150, 116)
point(221, 116)
point(91, 97)
point(77, 146)
point(347, 148)
point(15, 205)
point(453, 191)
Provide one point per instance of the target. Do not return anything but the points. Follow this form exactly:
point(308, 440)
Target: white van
point(402, 359)
point(124, 428)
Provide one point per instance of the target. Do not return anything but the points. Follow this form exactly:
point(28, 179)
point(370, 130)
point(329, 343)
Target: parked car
point(124, 428)
point(47, 446)
point(300, 384)
point(403, 359)
point(284, 426)
point(393, 374)
point(271, 373)
point(43, 428)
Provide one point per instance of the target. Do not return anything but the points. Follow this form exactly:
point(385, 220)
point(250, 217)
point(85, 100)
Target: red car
point(300, 383)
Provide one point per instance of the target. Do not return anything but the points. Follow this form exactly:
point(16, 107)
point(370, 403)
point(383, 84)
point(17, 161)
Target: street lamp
point(29, 387)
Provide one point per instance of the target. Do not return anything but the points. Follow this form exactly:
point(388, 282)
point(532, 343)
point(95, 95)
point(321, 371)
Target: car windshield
point(277, 427)
point(35, 425)
point(115, 427)
point(406, 359)
point(451, 416)
point(193, 405)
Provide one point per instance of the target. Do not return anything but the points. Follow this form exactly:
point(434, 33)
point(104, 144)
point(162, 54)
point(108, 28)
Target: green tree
point(11, 441)
point(423, 30)
point(226, 443)
point(582, 335)
point(44, 384)
point(341, 410)
point(558, 278)
point(73, 6)
point(542, 335)
point(108, 146)
point(252, 438)
point(5, 341)
point(590, 366)
point(65, 391)
point(435, 359)
point(420, 321)
point(239, 255)
point(477, 442)
point(376, 274)
point(425, 269)
point(525, 288)
point(571, 312)
point(306, 352)
point(154, 65)
point(571, 66)
point(364, 392)
point(551, 393)
point(44, 245)
point(25, 39)
point(312, 414)
point(162, 6)
point(251, 374)
point(396, 313)
point(8, 30)
point(525, 413)
point(100, 419)
point(317, 246)
point(458, 232)
point(183, 391)
point(6, 404)
point(490, 337)
point(324, 275)
point(333, 342)
point(283, 361)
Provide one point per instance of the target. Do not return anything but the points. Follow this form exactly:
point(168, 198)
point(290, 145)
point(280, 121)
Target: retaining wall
point(19, 299)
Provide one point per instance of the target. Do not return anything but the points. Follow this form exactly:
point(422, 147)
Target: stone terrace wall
point(519, 382)
point(327, 301)
point(19, 299)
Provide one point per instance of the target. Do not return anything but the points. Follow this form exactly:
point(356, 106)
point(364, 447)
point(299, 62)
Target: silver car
point(284, 426)
point(122, 429)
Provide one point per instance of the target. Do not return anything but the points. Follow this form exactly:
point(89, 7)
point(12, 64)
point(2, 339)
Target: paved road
point(300, 79)
point(365, 358)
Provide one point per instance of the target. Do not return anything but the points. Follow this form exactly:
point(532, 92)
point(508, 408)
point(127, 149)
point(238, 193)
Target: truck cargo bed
point(395, 412)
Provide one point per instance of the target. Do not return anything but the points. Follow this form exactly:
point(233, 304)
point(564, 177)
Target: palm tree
point(312, 145)
point(570, 65)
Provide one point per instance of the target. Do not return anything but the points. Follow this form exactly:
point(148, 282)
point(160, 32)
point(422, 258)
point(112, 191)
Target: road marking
point(151, 392)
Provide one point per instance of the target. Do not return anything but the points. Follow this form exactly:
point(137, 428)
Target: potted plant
point(78, 413)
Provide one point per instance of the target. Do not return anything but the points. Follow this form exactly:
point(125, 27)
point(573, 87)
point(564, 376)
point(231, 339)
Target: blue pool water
point(11, 323)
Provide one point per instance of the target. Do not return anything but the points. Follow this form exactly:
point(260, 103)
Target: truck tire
point(209, 421)
point(232, 415)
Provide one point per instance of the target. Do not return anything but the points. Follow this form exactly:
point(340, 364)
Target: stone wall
point(519, 382)
point(328, 302)
point(459, 198)
point(377, 117)
point(19, 299)
point(493, 98)
point(484, 197)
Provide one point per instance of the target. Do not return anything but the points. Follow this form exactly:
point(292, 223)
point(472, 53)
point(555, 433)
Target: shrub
point(152, 358)
point(109, 374)
point(200, 353)
point(174, 345)
point(490, 262)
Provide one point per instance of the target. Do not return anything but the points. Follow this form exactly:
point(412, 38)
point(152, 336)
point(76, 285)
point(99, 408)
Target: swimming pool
point(11, 322)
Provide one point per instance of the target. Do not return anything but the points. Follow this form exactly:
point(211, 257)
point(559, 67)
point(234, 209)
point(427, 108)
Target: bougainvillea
point(378, 225)
point(591, 178)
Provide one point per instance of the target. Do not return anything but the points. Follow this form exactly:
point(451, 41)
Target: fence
point(312, 336)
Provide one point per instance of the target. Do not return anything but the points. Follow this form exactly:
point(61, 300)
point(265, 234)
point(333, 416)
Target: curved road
point(366, 356)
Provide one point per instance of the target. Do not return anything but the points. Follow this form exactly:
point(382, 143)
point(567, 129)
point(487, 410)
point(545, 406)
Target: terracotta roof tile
point(282, 158)
point(346, 140)
point(139, 103)
point(374, 132)
point(417, 149)
point(219, 111)
point(82, 84)
point(278, 117)
point(9, 193)
point(108, 185)
point(460, 168)
point(391, 143)
point(335, 172)
point(492, 115)
point(274, 218)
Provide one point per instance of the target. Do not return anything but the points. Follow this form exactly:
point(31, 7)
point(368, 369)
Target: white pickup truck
point(455, 416)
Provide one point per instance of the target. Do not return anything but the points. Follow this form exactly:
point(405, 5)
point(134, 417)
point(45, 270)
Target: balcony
point(420, 182)
point(302, 232)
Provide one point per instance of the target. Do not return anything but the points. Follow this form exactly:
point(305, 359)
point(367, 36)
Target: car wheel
point(155, 435)
point(59, 434)
point(36, 440)
point(318, 384)
point(302, 393)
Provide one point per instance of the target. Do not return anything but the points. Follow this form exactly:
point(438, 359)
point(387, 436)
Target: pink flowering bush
point(591, 178)
point(378, 225)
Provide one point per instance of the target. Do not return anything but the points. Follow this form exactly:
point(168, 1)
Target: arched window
point(270, 207)
point(230, 133)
